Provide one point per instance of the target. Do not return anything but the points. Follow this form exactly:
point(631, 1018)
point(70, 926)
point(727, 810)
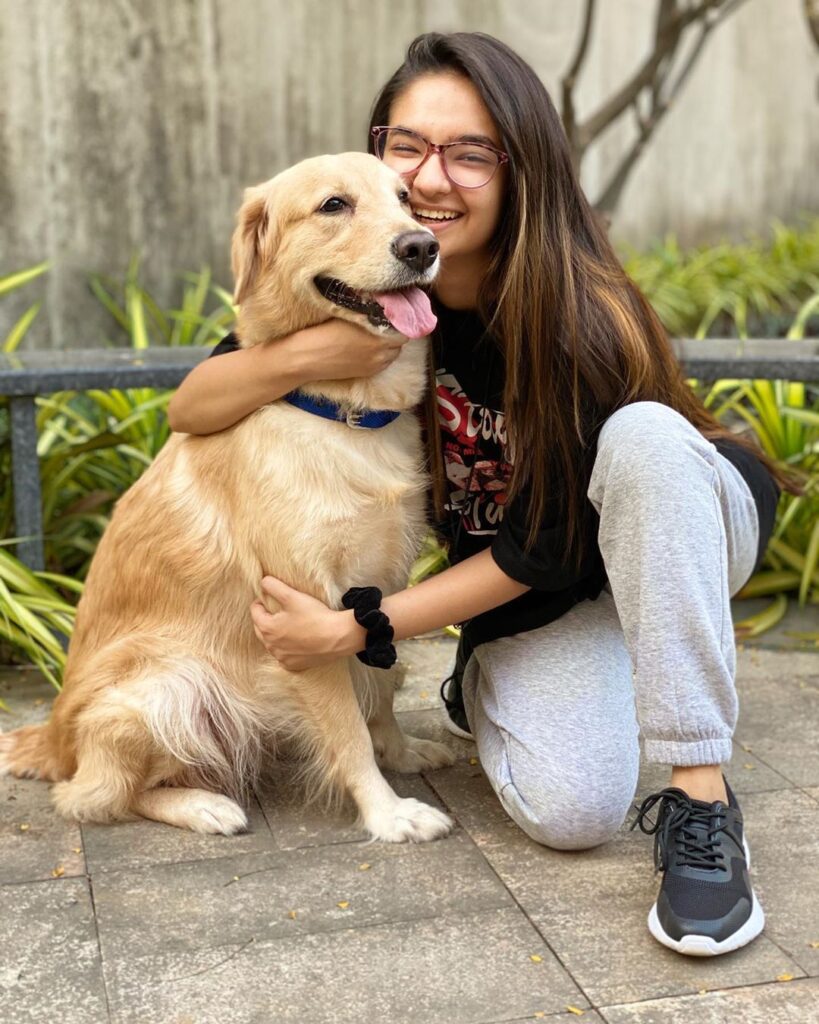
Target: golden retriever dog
point(170, 703)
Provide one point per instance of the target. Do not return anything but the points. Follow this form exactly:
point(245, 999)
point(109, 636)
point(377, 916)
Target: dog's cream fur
point(170, 703)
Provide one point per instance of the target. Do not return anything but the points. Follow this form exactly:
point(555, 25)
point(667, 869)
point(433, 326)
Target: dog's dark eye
point(333, 205)
point(403, 196)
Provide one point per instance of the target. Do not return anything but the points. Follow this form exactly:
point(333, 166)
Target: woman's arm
point(221, 391)
point(305, 632)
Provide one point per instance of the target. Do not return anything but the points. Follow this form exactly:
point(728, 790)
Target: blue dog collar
point(370, 419)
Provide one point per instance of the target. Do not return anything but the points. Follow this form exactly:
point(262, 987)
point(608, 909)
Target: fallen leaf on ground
point(25, 827)
point(536, 959)
point(364, 867)
point(292, 915)
point(473, 760)
point(77, 849)
point(575, 1010)
point(784, 977)
point(58, 872)
point(343, 904)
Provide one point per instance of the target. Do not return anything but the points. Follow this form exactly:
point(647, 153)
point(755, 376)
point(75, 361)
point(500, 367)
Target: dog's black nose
point(418, 249)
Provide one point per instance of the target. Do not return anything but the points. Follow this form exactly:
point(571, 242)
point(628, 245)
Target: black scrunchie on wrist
point(365, 603)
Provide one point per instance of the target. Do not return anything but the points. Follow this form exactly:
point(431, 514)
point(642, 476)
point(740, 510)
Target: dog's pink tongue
point(409, 311)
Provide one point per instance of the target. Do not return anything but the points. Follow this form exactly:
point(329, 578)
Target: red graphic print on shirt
point(473, 442)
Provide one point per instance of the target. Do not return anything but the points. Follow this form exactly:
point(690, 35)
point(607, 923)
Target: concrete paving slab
point(458, 970)
point(277, 895)
point(797, 631)
point(792, 1002)
point(27, 696)
point(295, 824)
point(591, 907)
point(779, 701)
point(427, 664)
point(34, 840)
point(50, 967)
point(132, 845)
point(410, 944)
point(575, 1014)
point(783, 836)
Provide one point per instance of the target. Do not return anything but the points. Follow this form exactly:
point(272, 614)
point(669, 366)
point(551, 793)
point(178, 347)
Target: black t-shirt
point(470, 380)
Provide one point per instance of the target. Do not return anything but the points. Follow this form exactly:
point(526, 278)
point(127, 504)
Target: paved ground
point(302, 920)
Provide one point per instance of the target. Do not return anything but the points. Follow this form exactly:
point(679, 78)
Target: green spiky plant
point(33, 615)
point(92, 447)
point(752, 289)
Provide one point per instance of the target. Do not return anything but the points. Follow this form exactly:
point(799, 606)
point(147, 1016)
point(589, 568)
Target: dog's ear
point(251, 240)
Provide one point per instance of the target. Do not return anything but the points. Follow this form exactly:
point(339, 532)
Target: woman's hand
point(340, 350)
point(304, 632)
point(219, 392)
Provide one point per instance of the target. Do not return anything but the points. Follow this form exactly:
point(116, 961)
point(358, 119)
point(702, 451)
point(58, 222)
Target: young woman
point(599, 518)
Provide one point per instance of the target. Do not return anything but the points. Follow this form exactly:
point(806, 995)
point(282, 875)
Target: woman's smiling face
point(443, 108)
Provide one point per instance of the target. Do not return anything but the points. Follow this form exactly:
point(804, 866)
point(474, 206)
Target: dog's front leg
point(394, 749)
point(345, 758)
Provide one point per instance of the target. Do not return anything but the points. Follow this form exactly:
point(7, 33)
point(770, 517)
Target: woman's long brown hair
point(579, 339)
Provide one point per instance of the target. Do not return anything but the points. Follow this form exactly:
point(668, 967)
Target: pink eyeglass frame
point(440, 149)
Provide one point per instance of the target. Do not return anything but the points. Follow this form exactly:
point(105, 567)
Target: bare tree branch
point(571, 75)
point(660, 106)
point(570, 78)
point(667, 41)
point(652, 88)
point(812, 14)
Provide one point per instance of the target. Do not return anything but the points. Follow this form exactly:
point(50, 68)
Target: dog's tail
point(28, 753)
point(206, 725)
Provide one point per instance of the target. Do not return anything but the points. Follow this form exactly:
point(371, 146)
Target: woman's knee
point(567, 820)
point(638, 424)
point(645, 445)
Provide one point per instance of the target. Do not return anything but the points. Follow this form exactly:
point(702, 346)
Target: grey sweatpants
point(557, 712)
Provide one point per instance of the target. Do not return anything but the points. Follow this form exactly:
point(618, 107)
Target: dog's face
point(332, 237)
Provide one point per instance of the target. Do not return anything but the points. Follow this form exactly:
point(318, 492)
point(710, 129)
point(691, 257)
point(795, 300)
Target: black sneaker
point(453, 697)
point(706, 905)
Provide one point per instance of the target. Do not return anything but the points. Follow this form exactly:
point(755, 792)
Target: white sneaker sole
point(703, 945)
point(456, 730)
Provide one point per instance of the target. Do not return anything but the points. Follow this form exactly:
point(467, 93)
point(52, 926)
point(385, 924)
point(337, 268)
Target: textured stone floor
point(303, 920)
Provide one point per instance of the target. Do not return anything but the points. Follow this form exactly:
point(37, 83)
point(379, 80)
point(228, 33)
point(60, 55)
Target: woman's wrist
point(280, 365)
point(352, 638)
point(299, 365)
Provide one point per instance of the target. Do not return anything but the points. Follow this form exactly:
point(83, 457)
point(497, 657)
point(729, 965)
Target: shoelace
point(448, 704)
point(696, 833)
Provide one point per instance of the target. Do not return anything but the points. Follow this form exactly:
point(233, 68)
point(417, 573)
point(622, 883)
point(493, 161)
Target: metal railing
point(25, 375)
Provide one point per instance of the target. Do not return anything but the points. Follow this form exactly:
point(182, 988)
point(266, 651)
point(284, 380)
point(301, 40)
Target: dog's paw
point(214, 814)
point(417, 755)
point(410, 821)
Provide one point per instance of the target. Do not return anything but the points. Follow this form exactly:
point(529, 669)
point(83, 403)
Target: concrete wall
point(133, 124)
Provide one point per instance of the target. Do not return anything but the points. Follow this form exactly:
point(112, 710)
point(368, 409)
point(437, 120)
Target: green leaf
point(16, 334)
point(12, 281)
point(811, 562)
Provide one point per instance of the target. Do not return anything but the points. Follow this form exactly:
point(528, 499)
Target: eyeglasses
point(466, 164)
